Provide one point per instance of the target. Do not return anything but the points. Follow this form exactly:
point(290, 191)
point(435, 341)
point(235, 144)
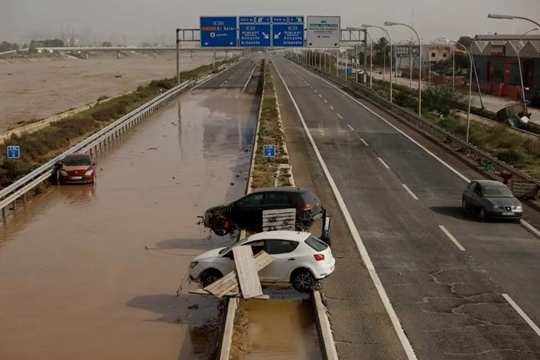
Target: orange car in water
point(77, 168)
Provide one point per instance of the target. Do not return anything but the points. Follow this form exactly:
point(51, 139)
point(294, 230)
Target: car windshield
point(77, 160)
point(497, 190)
point(234, 244)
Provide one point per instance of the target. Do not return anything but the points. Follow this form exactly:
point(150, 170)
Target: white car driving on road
point(300, 258)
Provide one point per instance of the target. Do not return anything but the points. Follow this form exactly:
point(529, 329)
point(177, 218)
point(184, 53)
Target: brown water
point(76, 281)
point(282, 328)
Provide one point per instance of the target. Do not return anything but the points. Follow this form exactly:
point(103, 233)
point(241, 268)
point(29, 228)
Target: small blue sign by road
point(256, 35)
point(288, 35)
point(218, 31)
point(296, 19)
point(280, 19)
point(269, 150)
point(13, 152)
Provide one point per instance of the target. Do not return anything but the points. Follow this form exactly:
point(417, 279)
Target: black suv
point(247, 212)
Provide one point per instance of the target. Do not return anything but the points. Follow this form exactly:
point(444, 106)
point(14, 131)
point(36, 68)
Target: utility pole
point(178, 56)
point(365, 55)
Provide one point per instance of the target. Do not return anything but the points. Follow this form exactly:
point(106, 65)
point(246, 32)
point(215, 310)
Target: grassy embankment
point(40, 146)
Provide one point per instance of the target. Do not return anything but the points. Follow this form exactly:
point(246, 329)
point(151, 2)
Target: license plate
point(508, 214)
point(76, 178)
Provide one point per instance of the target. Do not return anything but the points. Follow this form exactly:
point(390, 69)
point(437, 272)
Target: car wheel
point(210, 276)
point(482, 215)
point(221, 227)
point(302, 281)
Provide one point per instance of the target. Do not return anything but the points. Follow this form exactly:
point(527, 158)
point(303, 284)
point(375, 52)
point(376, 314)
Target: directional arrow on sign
point(277, 36)
point(265, 35)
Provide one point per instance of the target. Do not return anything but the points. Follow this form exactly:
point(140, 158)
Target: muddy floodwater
point(91, 272)
point(282, 328)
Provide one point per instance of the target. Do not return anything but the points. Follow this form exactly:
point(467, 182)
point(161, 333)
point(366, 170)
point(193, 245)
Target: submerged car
point(489, 199)
point(300, 259)
point(77, 168)
point(247, 212)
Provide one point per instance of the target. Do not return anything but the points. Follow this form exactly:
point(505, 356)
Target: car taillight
point(307, 207)
point(319, 257)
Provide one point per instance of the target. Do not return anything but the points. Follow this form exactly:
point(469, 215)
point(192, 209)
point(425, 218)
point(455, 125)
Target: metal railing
point(425, 125)
point(11, 193)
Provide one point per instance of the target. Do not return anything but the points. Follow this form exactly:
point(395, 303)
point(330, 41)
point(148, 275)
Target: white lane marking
point(391, 125)
point(364, 141)
point(410, 192)
point(384, 164)
point(331, 107)
point(522, 313)
point(250, 76)
point(454, 240)
point(339, 116)
point(320, 95)
point(315, 91)
point(356, 236)
point(326, 101)
point(350, 127)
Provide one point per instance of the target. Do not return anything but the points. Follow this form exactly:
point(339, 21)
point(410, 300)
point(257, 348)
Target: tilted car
point(247, 212)
point(489, 199)
point(300, 259)
point(77, 168)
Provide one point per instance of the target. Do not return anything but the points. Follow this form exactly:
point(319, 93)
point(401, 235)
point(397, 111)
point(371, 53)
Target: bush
point(440, 98)
point(404, 99)
point(512, 155)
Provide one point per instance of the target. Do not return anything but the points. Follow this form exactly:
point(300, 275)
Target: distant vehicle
point(300, 259)
point(247, 212)
point(77, 168)
point(489, 199)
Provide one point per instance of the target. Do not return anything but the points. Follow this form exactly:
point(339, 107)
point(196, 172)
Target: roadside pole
point(178, 56)
point(365, 56)
point(214, 60)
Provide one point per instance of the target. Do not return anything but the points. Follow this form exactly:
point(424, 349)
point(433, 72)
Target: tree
point(106, 44)
point(145, 44)
point(466, 41)
point(381, 50)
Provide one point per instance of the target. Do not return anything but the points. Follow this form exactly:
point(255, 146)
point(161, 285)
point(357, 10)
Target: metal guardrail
point(11, 193)
point(426, 125)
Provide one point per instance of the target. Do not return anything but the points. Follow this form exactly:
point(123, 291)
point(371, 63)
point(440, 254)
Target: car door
point(476, 196)
point(283, 251)
point(247, 211)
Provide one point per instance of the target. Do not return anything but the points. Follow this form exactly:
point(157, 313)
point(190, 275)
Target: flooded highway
point(90, 272)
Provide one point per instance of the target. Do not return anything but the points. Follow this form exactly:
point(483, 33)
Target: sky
point(137, 21)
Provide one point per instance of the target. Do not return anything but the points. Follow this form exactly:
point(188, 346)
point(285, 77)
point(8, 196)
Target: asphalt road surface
point(457, 286)
point(238, 76)
point(91, 272)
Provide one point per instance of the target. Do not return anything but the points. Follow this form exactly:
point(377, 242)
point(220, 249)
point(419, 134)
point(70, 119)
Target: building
point(496, 61)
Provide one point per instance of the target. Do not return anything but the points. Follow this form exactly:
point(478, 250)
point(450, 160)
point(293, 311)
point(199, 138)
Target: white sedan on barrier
point(300, 258)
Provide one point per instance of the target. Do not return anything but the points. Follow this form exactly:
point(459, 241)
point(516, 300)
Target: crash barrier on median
point(425, 125)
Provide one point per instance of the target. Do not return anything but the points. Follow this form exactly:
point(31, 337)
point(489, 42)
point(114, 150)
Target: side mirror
point(94, 163)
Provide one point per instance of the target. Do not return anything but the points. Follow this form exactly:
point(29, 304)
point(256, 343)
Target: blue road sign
point(288, 35)
point(280, 19)
point(254, 19)
point(13, 152)
point(296, 19)
point(218, 31)
point(256, 35)
point(269, 150)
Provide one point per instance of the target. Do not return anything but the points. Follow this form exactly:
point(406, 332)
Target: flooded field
point(91, 272)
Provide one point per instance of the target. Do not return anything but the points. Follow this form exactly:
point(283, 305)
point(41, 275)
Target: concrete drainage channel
point(289, 325)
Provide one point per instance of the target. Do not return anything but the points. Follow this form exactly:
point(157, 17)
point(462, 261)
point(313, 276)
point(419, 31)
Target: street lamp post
point(521, 70)
point(470, 87)
point(384, 53)
point(389, 23)
point(511, 17)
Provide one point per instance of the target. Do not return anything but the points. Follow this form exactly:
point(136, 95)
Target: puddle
point(90, 272)
point(282, 328)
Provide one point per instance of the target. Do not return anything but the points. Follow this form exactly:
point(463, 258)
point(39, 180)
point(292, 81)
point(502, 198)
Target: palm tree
point(381, 47)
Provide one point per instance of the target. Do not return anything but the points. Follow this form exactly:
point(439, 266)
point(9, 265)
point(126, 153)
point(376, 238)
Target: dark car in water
point(488, 199)
point(246, 213)
point(77, 168)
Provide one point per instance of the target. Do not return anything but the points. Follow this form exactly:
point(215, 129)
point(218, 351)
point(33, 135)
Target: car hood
point(212, 254)
point(76, 168)
point(504, 201)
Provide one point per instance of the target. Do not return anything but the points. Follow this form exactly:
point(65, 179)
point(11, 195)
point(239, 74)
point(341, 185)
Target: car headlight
point(193, 264)
point(89, 172)
point(496, 207)
point(63, 173)
point(518, 208)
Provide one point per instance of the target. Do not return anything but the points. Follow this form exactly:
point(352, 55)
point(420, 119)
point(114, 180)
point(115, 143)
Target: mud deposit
point(282, 328)
point(90, 272)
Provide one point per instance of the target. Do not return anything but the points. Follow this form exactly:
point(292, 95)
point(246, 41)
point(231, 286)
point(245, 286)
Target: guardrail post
point(14, 205)
point(3, 212)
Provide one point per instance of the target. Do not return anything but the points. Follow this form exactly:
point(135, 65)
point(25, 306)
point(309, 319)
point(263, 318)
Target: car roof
point(78, 154)
point(281, 189)
point(489, 182)
point(281, 235)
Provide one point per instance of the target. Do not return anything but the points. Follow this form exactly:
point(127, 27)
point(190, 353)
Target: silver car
point(489, 199)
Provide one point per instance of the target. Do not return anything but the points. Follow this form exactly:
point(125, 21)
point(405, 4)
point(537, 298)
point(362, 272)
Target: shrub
point(440, 98)
point(512, 155)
